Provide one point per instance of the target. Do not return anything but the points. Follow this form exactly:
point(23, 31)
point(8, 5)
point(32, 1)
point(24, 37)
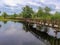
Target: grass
point(7, 19)
point(4, 19)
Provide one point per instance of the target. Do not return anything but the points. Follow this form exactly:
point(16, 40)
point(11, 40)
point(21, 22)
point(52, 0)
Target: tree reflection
point(26, 27)
point(5, 22)
point(44, 37)
point(0, 26)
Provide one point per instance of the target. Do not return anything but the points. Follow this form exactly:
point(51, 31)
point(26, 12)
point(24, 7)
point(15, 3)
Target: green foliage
point(47, 9)
point(5, 14)
point(40, 12)
point(27, 12)
point(14, 15)
point(56, 16)
point(44, 13)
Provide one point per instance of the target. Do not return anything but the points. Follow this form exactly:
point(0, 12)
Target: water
point(16, 33)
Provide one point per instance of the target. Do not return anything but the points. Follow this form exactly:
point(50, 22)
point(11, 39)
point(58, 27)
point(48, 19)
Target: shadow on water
point(43, 36)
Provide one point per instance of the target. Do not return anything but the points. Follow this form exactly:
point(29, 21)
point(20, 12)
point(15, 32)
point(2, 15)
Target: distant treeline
point(28, 12)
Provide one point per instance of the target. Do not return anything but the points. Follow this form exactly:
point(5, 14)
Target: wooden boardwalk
point(49, 23)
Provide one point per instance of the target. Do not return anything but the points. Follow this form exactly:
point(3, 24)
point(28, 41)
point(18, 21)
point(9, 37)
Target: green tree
point(5, 14)
point(56, 15)
point(20, 15)
point(34, 15)
point(14, 15)
point(47, 10)
point(47, 14)
point(27, 12)
point(40, 12)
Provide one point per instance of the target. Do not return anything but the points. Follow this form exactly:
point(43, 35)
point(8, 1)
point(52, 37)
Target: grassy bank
point(8, 19)
point(4, 19)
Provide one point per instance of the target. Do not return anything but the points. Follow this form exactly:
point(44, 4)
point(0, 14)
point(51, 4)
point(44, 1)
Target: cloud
point(12, 6)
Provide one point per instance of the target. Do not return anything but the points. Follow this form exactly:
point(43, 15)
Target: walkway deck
point(50, 23)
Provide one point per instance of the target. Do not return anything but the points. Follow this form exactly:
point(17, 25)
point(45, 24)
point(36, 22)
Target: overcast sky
point(12, 6)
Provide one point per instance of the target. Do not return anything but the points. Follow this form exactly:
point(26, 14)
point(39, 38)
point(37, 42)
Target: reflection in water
point(12, 33)
point(16, 33)
point(44, 37)
point(0, 25)
point(5, 22)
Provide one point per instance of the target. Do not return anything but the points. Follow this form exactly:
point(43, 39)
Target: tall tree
point(4, 14)
point(47, 9)
point(27, 12)
point(15, 15)
point(47, 13)
point(40, 12)
point(57, 15)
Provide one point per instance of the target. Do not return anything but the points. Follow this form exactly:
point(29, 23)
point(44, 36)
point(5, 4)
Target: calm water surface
point(12, 33)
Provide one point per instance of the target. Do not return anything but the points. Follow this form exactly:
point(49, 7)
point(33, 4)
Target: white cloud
point(42, 0)
point(10, 2)
point(36, 3)
point(33, 3)
point(53, 2)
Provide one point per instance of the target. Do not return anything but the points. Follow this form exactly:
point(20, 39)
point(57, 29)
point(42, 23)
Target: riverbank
point(7, 19)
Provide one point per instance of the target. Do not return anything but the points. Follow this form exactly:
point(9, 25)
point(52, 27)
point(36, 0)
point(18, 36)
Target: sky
point(15, 6)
